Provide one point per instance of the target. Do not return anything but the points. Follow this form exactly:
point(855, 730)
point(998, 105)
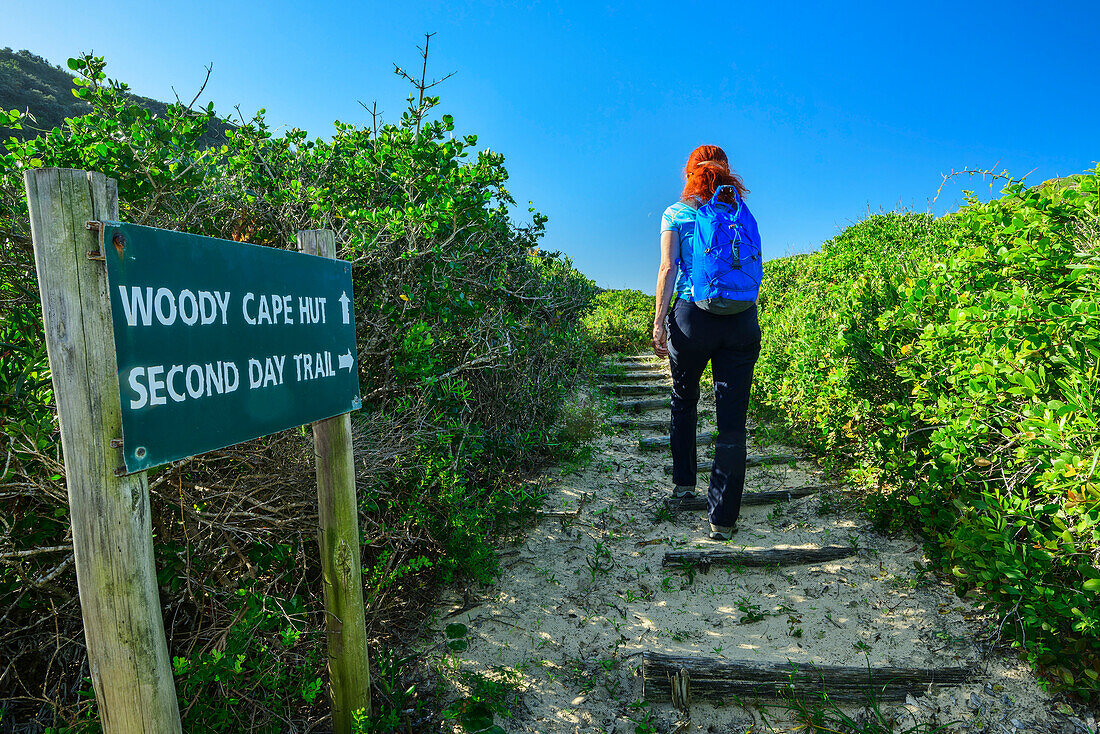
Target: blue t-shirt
point(680, 218)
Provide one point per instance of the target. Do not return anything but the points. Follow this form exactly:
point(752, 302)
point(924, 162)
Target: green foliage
point(470, 343)
point(44, 92)
point(489, 697)
point(954, 364)
point(265, 663)
point(395, 699)
point(621, 321)
point(645, 722)
point(29, 83)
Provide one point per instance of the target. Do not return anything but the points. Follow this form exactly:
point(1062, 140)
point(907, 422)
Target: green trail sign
point(220, 342)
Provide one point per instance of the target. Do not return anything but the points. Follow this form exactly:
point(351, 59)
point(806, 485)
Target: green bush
point(953, 363)
point(470, 341)
point(621, 321)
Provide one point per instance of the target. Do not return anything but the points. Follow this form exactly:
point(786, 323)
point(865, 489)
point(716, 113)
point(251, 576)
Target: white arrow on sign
point(346, 361)
point(344, 301)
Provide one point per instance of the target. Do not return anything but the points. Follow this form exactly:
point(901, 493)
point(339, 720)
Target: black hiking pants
point(731, 344)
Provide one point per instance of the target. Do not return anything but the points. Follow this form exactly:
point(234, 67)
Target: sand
point(582, 597)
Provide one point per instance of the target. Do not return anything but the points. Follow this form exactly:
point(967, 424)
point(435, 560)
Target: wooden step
point(637, 390)
point(638, 406)
point(642, 424)
point(634, 376)
point(777, 556)
point(659, 424)
point(698, 501)
point(635, 361)
point(661, 443)
point(716, 679)
point(750, 461)
point(656, 443)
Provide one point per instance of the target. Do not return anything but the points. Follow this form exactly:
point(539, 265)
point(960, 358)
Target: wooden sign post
point(155, 305)
point(112, 533)
point(338, 538)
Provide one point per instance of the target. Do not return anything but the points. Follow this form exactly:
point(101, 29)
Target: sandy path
point(581, 598)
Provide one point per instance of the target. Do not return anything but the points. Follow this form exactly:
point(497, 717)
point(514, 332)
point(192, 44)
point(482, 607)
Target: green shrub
point(953, 363)
point(621, 321)
point(470, 341)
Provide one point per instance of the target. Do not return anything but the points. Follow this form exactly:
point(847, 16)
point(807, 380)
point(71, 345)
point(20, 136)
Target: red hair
point(707, 169)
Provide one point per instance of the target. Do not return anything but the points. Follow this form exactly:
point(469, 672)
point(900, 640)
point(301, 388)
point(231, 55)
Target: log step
point(715, 679)
point(636, 390)
point(661, 424)
point(699, 500)
point(633, 376)
point(642, 424)
point(639, 362)
point(777, 556)
point(638, 406)
point(659, 443)
point(750, 461)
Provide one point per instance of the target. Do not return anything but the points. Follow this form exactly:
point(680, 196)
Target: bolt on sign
point(219, 342)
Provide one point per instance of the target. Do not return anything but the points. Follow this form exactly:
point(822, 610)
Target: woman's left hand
point(660, 339)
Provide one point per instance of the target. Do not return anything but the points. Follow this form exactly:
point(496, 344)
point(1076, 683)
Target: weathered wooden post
point(338, 538)
point(112, 533)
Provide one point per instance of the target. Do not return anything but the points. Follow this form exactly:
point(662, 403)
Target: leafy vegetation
point(44, 93)
point(953, 365)
point(470, 342)
point(621, 321)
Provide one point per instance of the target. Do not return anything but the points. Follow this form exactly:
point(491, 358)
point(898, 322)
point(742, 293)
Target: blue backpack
point(726, 262)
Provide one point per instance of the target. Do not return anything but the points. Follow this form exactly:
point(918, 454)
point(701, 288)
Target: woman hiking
point(713, 320)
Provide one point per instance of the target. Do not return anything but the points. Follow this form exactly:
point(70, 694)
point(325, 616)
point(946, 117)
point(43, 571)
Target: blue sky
point(830, 111)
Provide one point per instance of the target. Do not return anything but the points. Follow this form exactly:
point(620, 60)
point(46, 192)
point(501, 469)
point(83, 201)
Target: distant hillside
point(29, 83)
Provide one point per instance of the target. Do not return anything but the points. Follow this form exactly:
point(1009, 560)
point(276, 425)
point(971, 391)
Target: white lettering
point(140, 305)
point(288, 314)
point(269, 373)
point(194, 381)
point(137, 387)
point(182, 381)
point(223, 303)
point(279, 362)
point(255, 373)
point(165, 295)
point(156, 384)
point(207, 299)
point(244, 308)
point(214, 381)
point(264, 313)
point(137, 307)
point(321, 301)
point(177, 396)
point(187, 297)
point(230, 387)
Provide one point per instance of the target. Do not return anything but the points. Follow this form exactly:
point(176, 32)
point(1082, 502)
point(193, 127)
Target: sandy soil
point(582, 597)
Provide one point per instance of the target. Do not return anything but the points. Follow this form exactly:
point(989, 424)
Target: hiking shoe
point(722, 532)
point(680, 491)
